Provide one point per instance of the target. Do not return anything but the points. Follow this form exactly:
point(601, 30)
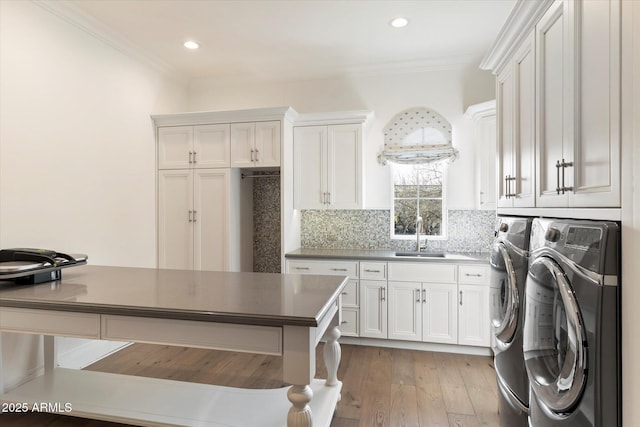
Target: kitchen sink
point(422, 254)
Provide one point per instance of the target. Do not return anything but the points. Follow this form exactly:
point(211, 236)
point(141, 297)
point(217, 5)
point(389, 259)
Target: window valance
point(417, 135)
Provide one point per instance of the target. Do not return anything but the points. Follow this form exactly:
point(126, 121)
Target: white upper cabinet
point(516, 105)
point(578, 46)
point(484, 134)
point(596, 177)
point(554, 105)
point(255, 144)
point(193, 147)
point(559, 97)
point(328, 167)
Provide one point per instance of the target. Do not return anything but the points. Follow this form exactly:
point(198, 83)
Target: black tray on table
point(31, 266)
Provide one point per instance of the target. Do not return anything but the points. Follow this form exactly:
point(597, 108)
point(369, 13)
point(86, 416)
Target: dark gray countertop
point(245, 298)
point(382, 255)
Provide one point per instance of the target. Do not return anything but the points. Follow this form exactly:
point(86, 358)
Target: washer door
point(555, 348)
point(504, 296)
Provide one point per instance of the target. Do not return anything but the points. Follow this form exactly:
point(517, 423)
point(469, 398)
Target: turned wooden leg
point(332, 355)
point(300, 414)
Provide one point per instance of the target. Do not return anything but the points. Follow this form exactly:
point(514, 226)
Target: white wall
point(77, 149)
point(449, 92)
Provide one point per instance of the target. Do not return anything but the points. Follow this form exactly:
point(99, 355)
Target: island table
point(285, 315)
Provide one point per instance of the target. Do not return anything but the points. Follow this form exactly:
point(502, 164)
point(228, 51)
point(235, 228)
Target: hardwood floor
point(381, 386)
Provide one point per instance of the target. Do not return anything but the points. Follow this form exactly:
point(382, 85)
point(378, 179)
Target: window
point(418, 188)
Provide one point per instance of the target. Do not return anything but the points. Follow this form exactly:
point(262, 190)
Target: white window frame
point(444, 225)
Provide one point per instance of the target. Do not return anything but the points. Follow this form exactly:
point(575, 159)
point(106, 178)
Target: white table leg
point(300, 413)
point(332, 354)
point(50, 356)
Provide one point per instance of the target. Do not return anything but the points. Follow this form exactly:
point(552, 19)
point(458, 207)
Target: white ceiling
point(294, 39)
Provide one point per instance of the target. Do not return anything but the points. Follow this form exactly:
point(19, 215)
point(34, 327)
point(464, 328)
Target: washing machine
point(571, 330)
point(509, 265)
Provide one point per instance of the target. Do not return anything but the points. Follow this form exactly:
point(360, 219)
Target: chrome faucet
point(418, 228)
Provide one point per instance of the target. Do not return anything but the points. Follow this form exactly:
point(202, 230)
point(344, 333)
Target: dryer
point(509, 264)
point(572, 324)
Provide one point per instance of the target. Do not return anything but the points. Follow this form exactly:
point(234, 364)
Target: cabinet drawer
point(50, 322)
point(330, 268)
point(477, 274)
point(373, 270)
point(349, 322)
point(350, 294)
point(425, 272)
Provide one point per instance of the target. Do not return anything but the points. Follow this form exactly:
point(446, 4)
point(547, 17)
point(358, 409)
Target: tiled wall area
point(468, 231)
point(266, 224)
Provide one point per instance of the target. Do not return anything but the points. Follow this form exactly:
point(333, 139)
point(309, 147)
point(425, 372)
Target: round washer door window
point(554, 337)
point(504, 296)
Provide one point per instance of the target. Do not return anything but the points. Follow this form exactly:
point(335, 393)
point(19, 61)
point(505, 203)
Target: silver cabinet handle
point(190, 157)
point(344, 322)
point(424, 295)
point(560, 189)
point(338, 269)
point(301, 268)
point(257, 155)
point(190, 216)
point(472, 275)
point(194, 157)
point(460, 297)
point(329, 198)
point(252, 155)
point(417, 295)
point(371, 271)
point(345, 293)
point(194, 214)
point(383, 291)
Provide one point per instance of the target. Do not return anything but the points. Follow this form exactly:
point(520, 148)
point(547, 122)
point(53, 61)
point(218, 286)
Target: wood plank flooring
point(381, 386)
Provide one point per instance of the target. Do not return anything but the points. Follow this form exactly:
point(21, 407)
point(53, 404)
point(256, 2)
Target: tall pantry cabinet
point(193, 200)
point(205, 210)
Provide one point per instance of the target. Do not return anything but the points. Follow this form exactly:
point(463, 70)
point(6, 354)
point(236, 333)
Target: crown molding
point(334, 118)
point(83, 21)
point(233, 116)
point(483, 109)
point(521, 21)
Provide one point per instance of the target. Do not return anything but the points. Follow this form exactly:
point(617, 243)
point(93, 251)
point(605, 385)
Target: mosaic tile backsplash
point(468, 231)
point(266, 224)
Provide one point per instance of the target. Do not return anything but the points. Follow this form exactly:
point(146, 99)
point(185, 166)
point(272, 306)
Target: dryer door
point(554, 337)
point(504, 296)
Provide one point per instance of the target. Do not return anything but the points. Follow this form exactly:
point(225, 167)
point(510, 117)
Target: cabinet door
point(243, 136)
point(554, 103)
point(373, 309)
point(505, 168)
point(524, 124)
point(175, 226)
point(211, 219)
point(344, 160)
point(267, 144)
point(211, 145)
point(175, 147)
point(597, 151)
point(473, 315)
point(309, 167)
point(405, 311)
point(440, 313)
point(486, 130)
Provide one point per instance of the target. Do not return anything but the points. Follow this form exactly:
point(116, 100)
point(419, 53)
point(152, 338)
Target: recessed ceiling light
point(399, 22)
point(191, 44)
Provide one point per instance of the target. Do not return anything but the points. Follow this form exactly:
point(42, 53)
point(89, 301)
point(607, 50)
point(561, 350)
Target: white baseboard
point(423, 346)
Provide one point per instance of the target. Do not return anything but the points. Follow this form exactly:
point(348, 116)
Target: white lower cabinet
point(349, 300)
point(427, 303)
point(373, 308)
